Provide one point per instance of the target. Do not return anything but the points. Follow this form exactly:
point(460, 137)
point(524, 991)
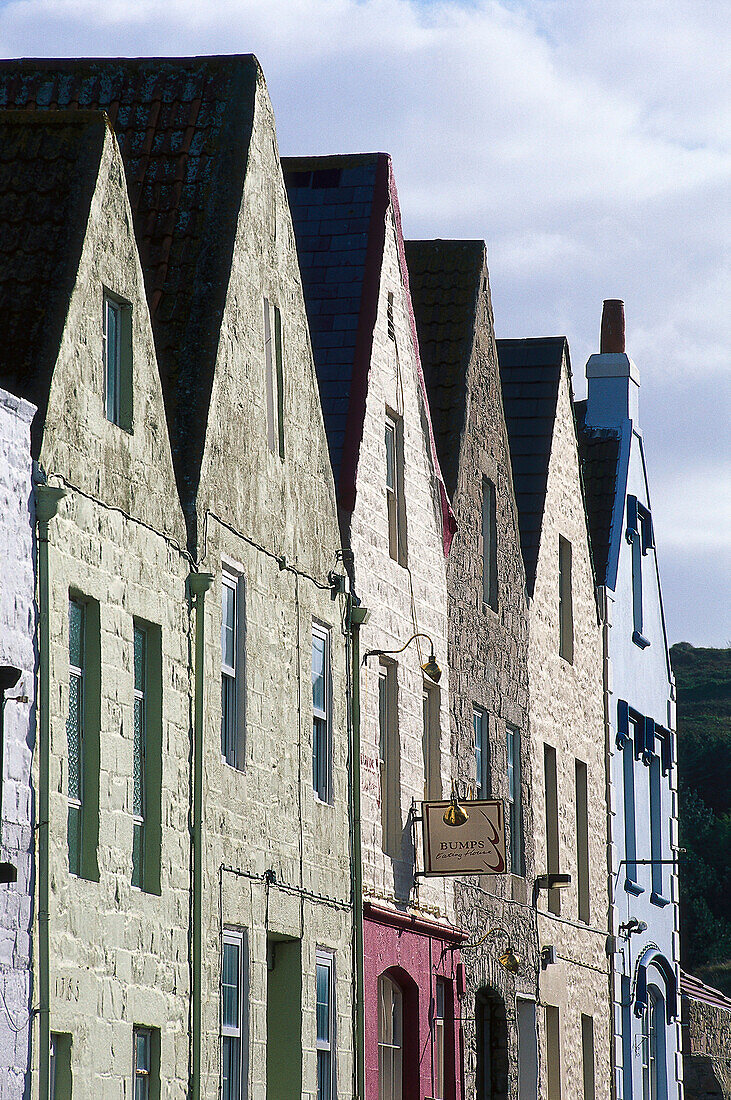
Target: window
point(431, 742)
point(274, 366)
point(139, 795)
point(553, 1044)
point(582, 840)
point(117, 339)
point(492, 1045)
point(324, 992)
point(515, 808)
point(565, 601)
point(75, 732)
point(147, 758)
point(146, 1063)
point(489, 545)
point(82, 734)
point(443, 1040)
point(630, 828)
point(394, 440)
point(321, 723)
point(232, 1016)
point(390, 325)
point(482, 752)
point(552, 846)
point(233, 669)
point(640, 536)
point(390, 758)
point(390, 1040)
point(653, 1048)
point(657, 824)
point(60, 1066)
point(587, 1056)
point(527, 1050)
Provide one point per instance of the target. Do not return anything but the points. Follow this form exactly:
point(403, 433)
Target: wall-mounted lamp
point(509, 959)
point(552, 882)
point(455, 815)
point(430, 667)
point(632, 926)
point(548, 956)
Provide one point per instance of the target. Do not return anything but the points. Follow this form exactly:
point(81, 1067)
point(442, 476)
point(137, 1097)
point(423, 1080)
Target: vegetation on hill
point(703, 679)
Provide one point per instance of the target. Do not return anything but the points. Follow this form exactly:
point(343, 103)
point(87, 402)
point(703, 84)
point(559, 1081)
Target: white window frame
point(141, 1072)
point(237, 938)
point(140, 696)
point(390, 1047)
point(326, 958)
point(480, 728)
point(233, 747)
point(440, 1038)
point(322, 721)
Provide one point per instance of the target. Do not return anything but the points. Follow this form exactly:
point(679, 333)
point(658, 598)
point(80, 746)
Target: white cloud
point(587, 142)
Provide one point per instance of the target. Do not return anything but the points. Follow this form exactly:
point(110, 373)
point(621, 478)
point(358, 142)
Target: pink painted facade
point(414, 953)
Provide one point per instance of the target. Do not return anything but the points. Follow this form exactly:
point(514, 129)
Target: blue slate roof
point(530, 371)
point(331, 199)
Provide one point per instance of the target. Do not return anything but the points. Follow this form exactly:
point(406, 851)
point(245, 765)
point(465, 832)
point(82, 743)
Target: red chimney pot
point(612, 332)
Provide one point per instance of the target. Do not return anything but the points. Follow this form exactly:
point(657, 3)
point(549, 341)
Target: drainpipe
point(47, 499)
point(358, 615)
point(199, 584)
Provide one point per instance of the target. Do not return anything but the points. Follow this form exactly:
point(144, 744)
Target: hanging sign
point(475, 847)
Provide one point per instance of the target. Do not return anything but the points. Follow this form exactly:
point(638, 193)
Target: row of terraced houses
point(292, 545)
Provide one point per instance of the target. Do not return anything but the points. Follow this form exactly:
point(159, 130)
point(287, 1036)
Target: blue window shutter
point(631, 518)
point(622, 723)
point(648, 748)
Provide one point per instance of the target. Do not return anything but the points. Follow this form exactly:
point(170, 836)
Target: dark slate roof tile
point(527, 366)
point(48, 171)
point(183, 127)
point(444, 277)
point(599, 450)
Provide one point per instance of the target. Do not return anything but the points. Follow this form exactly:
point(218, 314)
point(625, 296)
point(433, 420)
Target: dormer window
point(117, 338)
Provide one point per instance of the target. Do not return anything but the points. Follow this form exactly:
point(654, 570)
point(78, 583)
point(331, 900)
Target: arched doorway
point(398, 1029)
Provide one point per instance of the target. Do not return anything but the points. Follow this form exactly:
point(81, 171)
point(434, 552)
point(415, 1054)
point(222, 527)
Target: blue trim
point(667, 751)
point(631, 532)
point(652, 956)
point(648, 746)
point(659, 900)
point(622, 723)
point(640, 639)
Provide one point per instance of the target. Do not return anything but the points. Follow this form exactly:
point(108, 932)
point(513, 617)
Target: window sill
point(488, 609)
point(322, 801)
point(659, 900)
point(240, 768)
point(640, 639)
point(633, 887)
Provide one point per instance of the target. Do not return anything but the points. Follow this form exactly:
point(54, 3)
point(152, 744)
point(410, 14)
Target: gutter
point(47, 499)
point(357, 616)
point(199, 583)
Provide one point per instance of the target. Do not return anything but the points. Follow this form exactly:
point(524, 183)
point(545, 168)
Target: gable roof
point(530, 371)
point(445, 283)
point(339, 206)
point(49, 166)
point(183, 126)
point(599, 454)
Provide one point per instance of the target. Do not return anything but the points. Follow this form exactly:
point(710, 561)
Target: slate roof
point(696, 990)
point(183, 127)
point(332, 201)
point(445, 281)
point(48, 170)
point(599, 450)
point(530, 371)
point(339, 206)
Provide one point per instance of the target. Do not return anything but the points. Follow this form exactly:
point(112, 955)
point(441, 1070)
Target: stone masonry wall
point(488, 664)
point(17, 648)
point(707, 1051)
point(402, 601)
point(119, 956)
point(276, 859)
point(566, 711)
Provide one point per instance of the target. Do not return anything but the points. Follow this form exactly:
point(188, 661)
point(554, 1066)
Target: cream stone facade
point(118, 954)
point(276, 856)
point(566, 714)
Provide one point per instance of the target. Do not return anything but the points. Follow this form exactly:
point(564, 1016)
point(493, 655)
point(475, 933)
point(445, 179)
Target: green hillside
point(703, 678)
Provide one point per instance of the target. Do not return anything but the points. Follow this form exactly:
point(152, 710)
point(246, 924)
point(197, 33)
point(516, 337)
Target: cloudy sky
point(587, 141)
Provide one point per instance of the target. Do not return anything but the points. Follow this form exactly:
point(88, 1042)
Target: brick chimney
point(613, 379)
